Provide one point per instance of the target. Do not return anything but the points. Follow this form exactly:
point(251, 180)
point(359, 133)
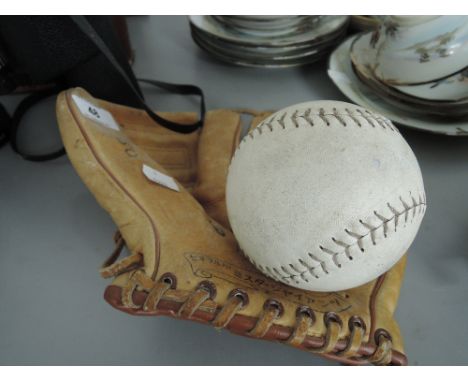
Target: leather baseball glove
point(165, 192)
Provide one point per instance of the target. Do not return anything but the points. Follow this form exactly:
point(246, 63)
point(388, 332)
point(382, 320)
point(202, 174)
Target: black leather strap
point(89, 31)
point(21, 109)
point(5, 125)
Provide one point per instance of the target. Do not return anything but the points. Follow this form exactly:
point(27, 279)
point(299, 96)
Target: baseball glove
point(165, 192)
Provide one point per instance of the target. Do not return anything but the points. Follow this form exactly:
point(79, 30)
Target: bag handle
point(89, 31)
point(5, 123)
point(20, 110)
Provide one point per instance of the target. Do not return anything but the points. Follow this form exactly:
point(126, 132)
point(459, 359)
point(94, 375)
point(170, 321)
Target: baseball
point(324, 196)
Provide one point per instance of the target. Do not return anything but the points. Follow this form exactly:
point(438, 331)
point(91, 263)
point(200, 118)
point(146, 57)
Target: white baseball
point(325, 196)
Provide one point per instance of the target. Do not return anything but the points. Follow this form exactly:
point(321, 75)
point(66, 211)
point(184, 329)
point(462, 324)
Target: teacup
point(419, 49)
point(429, 79)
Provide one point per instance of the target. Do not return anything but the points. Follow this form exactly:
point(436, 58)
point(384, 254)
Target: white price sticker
point(95, 113)
point(160, 178)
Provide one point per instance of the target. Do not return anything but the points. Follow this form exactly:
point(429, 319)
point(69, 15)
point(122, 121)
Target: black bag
point(51, 53)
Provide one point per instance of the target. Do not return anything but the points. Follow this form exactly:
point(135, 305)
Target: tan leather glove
point(184, 262)
point(199, 160)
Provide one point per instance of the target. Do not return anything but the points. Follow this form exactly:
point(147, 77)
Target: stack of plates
point(268, 41)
